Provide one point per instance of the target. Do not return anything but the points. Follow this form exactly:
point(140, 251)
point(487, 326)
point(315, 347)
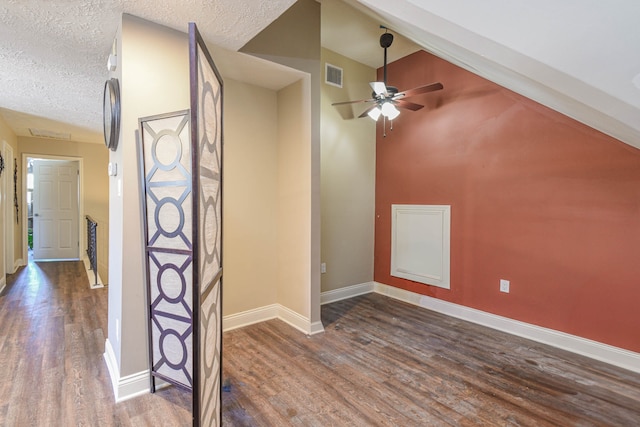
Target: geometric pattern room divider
point(181, 164)
point(206, 116)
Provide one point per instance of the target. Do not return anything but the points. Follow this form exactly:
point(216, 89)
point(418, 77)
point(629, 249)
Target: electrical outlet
point(504, 286)
point(323, 267)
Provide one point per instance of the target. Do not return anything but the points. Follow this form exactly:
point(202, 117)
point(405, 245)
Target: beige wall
point(153, 69)
point(7, 135)
point(294, 40)
point(294, 198)
point(95, 185)
point(266, 197)
point(250, 217)
point(348, 147)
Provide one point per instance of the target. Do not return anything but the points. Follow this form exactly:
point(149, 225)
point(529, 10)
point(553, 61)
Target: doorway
point(52, 208)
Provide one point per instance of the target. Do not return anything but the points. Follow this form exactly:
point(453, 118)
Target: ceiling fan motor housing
point(391, 91)
point(386, 39)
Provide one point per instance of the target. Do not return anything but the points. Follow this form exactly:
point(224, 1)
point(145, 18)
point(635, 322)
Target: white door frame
point(81, 235)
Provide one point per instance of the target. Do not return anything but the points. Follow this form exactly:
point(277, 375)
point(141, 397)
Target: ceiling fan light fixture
point(375, 113)
point(387, 99)
point(389, 110)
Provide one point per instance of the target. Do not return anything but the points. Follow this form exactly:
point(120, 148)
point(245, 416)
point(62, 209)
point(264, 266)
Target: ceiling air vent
point(43, 133)
point(332, 75)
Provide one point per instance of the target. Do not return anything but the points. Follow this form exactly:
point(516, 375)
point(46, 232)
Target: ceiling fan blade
point(408, 105)
point(366, 112)
point(379, 88)
point(353, 102)
point(420, 90)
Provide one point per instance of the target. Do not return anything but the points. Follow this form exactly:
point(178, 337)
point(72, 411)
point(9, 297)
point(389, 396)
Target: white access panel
point(420, 243)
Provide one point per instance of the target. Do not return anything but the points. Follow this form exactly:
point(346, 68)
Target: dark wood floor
point(52, 370)
point(386, 363)
point(379, 363)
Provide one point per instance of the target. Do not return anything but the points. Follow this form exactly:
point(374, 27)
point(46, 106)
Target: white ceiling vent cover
point(43, 133)
point(332, 75)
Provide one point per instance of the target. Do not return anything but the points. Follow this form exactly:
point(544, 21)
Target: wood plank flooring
point(379, 363)
point(382, 362)
point(52, 370)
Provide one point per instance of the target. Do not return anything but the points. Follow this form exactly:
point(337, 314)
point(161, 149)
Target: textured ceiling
point(53, 52)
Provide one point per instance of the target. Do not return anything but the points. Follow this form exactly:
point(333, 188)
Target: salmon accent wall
point(536, 198)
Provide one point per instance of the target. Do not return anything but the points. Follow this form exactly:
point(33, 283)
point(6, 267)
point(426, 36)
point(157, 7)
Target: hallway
point(52, 371)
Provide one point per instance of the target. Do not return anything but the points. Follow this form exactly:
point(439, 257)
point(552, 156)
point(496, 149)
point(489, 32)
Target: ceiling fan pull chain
point(384, 126)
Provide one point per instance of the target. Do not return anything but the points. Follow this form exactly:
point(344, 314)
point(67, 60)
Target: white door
point(55, 210)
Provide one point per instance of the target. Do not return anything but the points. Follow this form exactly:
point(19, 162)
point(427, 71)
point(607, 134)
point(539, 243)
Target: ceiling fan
point(386, 98)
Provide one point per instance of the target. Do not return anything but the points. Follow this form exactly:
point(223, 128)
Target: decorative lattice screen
point(181, 164)
point(206, 111)
point(168, 202)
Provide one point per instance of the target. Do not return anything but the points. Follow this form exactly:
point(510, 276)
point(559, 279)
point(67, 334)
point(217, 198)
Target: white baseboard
point(273, 311)
point(91, 275)
point(129, 386)
point(3, 283)
point(316, 328)
point(605, 353)
point(249, 317)
point(346, 292)
point(301, 323)
point(17, 264)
